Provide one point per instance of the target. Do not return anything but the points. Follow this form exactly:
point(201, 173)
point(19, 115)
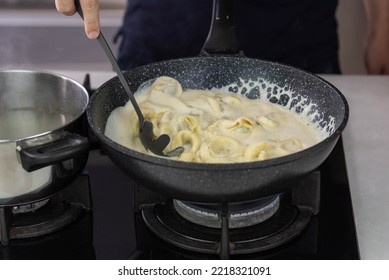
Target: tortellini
point(257, 151)
point(213, 126)
point(241, 125)
point(188, 139)
point(225, 147)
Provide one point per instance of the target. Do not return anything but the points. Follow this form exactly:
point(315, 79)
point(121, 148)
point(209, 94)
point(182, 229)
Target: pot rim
point(56, 75)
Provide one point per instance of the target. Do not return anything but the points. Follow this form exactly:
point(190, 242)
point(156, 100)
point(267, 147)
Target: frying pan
point(235, 182)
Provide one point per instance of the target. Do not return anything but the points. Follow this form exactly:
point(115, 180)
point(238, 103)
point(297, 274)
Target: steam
point(14, 50)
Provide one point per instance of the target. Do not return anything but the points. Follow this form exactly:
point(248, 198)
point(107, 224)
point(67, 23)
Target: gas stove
point(136, 223)
point(59, 227)
point(128, 221)
point(313, 221)
point(113, 217)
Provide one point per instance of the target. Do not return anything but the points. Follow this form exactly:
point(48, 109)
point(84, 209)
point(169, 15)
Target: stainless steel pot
point(43, 143)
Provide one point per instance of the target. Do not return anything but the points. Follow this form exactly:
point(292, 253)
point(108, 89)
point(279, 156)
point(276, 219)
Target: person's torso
point(287, 31)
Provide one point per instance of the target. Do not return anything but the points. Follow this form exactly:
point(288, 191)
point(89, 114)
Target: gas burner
point(51, 217)
point(47, 216)
point(240, 214)
point(232, 230)
point(286, 224)
point(29, 207)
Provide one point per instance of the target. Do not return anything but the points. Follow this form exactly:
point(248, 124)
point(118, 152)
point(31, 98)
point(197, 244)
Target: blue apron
point(301, 33)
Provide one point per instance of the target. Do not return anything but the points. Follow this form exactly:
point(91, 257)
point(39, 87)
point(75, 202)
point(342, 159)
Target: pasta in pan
point(213, 126)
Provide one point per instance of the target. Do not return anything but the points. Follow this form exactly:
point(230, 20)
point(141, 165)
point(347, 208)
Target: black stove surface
point(61, 229)
point(120, 232)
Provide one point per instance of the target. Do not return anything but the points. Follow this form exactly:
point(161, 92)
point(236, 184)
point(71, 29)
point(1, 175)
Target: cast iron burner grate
point(43, 217)
point(49, 218)
point(292, 216)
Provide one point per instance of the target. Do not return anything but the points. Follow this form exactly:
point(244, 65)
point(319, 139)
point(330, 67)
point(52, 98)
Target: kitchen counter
point(366, 145)
point(26, 40)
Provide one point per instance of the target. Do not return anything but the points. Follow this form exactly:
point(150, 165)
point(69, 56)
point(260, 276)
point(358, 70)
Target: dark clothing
point(301, 33)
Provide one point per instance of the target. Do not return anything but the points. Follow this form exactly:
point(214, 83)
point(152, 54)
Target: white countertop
point(366, 145)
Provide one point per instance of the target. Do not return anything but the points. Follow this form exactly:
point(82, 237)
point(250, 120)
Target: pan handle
point(69, 146)
point(222, 34)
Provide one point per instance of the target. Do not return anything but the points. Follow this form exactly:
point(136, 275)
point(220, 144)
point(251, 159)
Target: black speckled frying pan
point(257, 79)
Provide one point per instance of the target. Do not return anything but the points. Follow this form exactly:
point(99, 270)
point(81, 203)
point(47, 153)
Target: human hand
point(377, 43)
point(90, 9)
point(377, 54)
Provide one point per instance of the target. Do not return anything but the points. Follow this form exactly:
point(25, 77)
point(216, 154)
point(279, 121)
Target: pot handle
point(222, 34)
point(68, 146)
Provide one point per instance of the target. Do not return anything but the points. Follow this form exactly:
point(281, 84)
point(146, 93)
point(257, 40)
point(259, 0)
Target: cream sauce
point(213, 126)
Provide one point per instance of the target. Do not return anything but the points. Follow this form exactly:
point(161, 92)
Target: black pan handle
point(68, 146)
point(222, 34)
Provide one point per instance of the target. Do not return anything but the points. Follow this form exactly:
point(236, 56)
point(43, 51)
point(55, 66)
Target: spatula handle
point(104, 45)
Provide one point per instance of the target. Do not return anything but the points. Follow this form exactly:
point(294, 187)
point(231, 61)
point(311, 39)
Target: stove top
point(121, 221)
point(60, 227)
point(329, 234)
point(117, 224)
point(122, 213)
